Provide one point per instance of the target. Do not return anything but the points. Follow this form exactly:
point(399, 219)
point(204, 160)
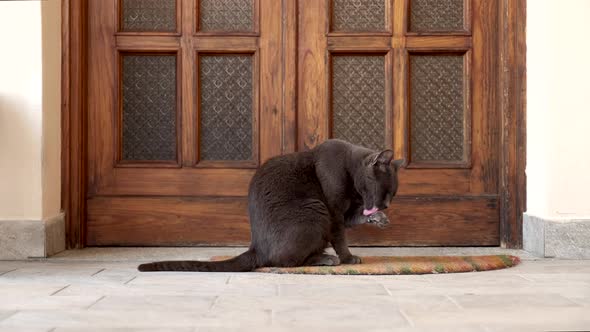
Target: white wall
point(20, 110)
point(30, 62)
point(558, 110)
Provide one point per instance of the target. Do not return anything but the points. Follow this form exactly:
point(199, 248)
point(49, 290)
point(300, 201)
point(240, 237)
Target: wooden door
point(187, 97)
point(416, 76)
point(182, 108)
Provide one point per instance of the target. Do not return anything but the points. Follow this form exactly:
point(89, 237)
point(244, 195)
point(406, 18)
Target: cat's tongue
point(370, 212)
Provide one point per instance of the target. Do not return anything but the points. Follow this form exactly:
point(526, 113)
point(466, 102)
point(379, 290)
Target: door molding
point(512, 81)
point(512, 101)
point(73, 119)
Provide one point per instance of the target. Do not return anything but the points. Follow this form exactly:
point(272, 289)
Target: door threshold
point(140, 254)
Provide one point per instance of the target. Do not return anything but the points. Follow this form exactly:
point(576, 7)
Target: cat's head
point(377, 181)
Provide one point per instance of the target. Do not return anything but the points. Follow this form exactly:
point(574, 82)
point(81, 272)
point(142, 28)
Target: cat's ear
point(383, 158)
point(398, 163)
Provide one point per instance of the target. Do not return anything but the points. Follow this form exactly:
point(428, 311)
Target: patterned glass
point(437, 107)
point(149, 15)
point(226, 107)
point(149, 107)
point(436, 15)
point(358, 99)
point(358, 15)
point(226, 15)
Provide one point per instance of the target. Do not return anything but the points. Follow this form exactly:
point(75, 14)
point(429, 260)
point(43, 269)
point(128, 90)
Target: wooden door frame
point(511, 73)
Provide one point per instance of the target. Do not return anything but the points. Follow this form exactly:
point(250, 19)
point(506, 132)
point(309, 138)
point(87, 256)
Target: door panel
point(435, 113)
point(186, 98)
point(175, 114)
point(181, 221)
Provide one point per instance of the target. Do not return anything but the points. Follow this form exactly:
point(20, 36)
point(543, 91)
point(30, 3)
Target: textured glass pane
point(358, 100)
point(226, 15)
point(437, 107)
point(226, 107)
point(358, 15)
point(149, 107)
point(149, 15)
point(436, 15)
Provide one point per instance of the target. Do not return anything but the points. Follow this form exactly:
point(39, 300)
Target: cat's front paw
point(352, 259)
point(379, 219)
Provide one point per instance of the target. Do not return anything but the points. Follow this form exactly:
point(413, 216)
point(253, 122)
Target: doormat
point(391, 265)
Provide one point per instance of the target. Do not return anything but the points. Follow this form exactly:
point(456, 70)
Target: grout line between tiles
point(525, 278)
point(59, 290)
point(130, 280)
point(386, 289)
point(574, 301)
point(95, 302)
point(6, 272)
point(406, 317)
point(9, 315)
point(450, 298)
point(213, 303)
point(97, 272)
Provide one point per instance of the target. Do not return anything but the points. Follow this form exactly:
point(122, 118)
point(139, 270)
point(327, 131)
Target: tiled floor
point(100, 290)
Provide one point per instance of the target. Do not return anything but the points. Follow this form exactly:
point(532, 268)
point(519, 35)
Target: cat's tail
point(242, 263)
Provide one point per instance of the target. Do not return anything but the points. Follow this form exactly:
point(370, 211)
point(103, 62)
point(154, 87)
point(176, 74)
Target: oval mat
point(385, 265)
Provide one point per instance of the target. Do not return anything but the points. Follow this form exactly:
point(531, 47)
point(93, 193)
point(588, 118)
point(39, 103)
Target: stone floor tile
point(33, 302)
point(507, 300)
point(90, 329)
point(571, 277)
point(276, 328)
point(425, 302)
point(581, 299)
point(155, 302)
point(5, 269)
point(476, 279)
point(250, 278)
point(549, 318)
point(178, 278)
point(333, 316)
point(29, 288)
point(56, 270)
point(6, 313)
point(228, 302)
point(112, 275)
point(25, 329)
point(537, 294)
point(134, 318)
point(145, 254)
point(10, 265)
point(169, 289)
point(457, 328)
point(458, 290)
point(329, 290)
point(552, 266)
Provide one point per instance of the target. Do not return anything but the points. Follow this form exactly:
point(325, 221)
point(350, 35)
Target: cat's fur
point(301, 202)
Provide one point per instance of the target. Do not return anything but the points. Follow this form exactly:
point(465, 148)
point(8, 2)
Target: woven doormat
point(389, 265)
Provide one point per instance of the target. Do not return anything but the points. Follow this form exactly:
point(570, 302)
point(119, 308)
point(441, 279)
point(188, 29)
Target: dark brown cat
point(301, 202)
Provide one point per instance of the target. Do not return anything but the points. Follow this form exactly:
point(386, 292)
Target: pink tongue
point(370, 212)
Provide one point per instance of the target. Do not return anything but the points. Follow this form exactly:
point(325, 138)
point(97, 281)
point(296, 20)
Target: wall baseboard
point(564, 238)
point(23, 239)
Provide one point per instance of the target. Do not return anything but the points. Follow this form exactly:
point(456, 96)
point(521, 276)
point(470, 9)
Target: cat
point(301, 202)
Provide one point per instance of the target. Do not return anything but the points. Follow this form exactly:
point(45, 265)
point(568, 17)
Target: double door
point(186, 98)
